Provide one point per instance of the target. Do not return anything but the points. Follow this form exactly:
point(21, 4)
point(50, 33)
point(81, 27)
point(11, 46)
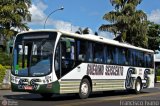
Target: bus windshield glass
point(32, 54)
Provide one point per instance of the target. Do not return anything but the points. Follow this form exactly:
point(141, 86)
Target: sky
point(81, 13)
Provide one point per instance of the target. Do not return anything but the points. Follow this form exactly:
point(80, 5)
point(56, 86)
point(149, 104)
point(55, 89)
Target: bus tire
point(46, 95)
point(138, 86)
point(85, 89)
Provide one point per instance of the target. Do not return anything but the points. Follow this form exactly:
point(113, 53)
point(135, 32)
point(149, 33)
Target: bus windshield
point(33, 54)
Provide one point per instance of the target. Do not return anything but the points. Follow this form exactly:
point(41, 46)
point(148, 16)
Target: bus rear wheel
point(138, 86)
point(85, 89)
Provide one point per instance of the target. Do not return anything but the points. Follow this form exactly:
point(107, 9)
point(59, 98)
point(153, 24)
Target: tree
point(127, 22)
point(83, 31)
point(153, 36)
point(13, 15)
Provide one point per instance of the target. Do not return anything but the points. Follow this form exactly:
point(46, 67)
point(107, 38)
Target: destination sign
point(108, 70)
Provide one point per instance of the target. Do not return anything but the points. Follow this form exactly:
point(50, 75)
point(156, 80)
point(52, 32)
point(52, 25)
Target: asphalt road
point(149, 97)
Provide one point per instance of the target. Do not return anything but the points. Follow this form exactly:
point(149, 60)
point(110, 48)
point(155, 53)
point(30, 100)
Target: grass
point(158, 78)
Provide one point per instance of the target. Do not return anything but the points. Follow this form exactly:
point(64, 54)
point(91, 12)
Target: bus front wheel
point(85, 89)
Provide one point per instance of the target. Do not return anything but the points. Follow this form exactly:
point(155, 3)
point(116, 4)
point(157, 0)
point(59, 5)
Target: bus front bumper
point(53, 87)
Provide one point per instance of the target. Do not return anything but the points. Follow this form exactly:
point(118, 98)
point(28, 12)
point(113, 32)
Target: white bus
point(157, 67)
point(57, 62)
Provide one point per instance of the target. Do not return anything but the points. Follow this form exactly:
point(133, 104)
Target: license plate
point(28, 87)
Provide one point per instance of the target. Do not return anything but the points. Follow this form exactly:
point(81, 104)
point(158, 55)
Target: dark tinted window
point(122, 56)
point(98, 53)
point(109, 54)
point(133, 57)
point(67, 49)
point(148, 60)
point(141, 59)
point(84, 50)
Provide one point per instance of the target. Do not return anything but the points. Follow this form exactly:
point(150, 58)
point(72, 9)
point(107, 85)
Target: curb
point(5, 86)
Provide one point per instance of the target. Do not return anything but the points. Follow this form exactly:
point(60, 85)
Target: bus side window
point(147, 60)
point(127, 57)
point(63, 47)
point(150, 60)
point(68, 48)
point(98, 54)
point(89, 53)
point(80, 50)
point(112, 55)
point(109, 55)
point(122, 56)
point(115, 55)
point(133, 57)
point(141, 59)
point(84, 50)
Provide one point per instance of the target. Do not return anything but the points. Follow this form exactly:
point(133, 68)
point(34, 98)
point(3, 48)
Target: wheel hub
point(84, 88)
point(138, 86)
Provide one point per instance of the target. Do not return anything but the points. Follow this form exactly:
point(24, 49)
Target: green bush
point(7, 67)
point(2, 73)
point(158, 78)
point(5, 59)
point(158, 73)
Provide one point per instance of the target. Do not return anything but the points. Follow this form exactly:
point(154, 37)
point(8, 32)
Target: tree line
point(130, 25)
point(126, 22)
point(14, 15)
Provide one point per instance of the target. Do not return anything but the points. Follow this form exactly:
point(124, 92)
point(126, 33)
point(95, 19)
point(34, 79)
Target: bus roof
point(93, 38)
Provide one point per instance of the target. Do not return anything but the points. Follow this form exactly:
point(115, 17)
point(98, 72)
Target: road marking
point(100, 100)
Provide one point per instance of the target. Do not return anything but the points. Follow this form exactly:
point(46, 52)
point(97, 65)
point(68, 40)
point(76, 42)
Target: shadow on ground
point(37, 97)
